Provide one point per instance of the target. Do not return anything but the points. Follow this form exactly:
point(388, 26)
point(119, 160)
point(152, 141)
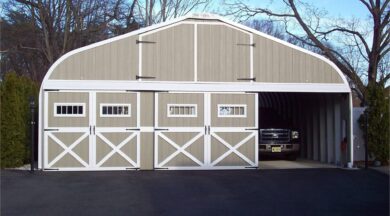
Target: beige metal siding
point(67, 97)
point(116, 98)
point(275, 62)
point(171, 55)
point(223, 53)
point(117, 60)
point(180, 98)
point(147, 151)
point(147, 109)
point(248, 99)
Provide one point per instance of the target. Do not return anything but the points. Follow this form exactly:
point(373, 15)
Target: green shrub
point(15, 118)
point(378, 122)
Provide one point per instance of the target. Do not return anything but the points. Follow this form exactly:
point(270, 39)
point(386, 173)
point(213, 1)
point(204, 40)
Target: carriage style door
point(85, 130)
point(205, 131)
point(116, 130)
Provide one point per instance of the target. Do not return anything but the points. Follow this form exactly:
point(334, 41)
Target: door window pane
point(234, 110)
point(115, 110)
point(182, 110)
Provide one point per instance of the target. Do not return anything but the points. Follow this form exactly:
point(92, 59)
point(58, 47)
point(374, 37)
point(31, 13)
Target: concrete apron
point(298, 164)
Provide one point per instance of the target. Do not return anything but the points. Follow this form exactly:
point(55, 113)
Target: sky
point(343, 8)
point(335, 8)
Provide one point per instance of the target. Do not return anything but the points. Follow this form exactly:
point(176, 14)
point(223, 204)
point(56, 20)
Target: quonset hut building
point(156, 98)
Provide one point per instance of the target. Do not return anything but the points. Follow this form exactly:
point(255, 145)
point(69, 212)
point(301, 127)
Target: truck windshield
point(270, 118)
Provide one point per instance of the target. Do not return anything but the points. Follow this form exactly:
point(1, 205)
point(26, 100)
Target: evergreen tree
point(378, 131)
point(15, 118)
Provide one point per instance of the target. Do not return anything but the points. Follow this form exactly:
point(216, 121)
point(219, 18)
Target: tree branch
point(355, 33)
point(243, 10)
point(367, 5)
point(326, 50)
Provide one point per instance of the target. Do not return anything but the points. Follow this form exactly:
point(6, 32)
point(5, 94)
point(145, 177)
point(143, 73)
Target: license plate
point(276, 149)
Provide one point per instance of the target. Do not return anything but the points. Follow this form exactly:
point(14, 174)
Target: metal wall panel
point(147, 109)
point(223, 53)
point(117, 60)
point(147, 151)
point(275, 62)
point(170, 54)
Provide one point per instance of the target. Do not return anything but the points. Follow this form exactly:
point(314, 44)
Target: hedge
point(15, 92)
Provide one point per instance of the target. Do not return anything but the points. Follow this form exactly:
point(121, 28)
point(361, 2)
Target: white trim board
point(195, 87)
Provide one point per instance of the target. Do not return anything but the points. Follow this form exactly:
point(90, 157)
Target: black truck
point(277, 136)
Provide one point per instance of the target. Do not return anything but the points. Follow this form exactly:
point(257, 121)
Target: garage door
point(205, 131)
point(233, 130)
point(117, 132)
point(86, 130)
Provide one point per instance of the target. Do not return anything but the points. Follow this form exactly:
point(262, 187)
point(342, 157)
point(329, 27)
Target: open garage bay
point(307, 126)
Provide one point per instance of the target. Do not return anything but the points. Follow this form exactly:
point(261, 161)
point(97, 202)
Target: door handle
point(205, 129)
point(90, 130)
point(94, 130)
point(208, 129)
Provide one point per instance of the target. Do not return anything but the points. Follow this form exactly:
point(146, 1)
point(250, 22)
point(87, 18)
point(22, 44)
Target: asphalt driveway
point(248, 192)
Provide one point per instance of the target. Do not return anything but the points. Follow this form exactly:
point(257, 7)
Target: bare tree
point(267, 26)
point(37, 32)
point(152, 11)
point(357, 47)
